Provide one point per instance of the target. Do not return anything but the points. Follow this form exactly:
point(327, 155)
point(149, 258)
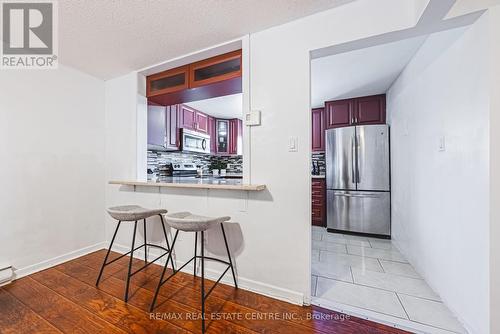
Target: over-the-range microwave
point(192, 141)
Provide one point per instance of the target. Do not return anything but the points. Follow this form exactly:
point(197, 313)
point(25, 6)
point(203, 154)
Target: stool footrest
point(199, 257)
point(147, 264)
point(213, 259)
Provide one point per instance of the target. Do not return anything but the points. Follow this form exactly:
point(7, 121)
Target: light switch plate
point(293, 144)
point(252, 118)
point(442, 144)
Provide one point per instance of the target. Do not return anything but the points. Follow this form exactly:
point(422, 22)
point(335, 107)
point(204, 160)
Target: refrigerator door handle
point(353, 159)
point(358, 174)
point(358, 195)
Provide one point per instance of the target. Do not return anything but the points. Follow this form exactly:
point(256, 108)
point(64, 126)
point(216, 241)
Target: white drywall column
point(494, 38)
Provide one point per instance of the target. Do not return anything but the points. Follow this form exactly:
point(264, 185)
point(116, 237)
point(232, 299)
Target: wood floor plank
point(317, 319)
point(64, 299)
point(141, 298)
point(112, 309)
point(16, 318)
point(62, 313)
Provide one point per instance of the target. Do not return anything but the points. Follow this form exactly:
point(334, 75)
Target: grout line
point(378, 260)
point(394, 291)
point(360, 314)
point(419, 322)
point(378, 288)
point(424, 298)
point(400, 302)
point(363, 308)
point(333, 279)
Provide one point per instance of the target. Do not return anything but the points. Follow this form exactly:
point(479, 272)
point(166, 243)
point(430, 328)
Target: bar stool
point(135, 213)
point(187, 222)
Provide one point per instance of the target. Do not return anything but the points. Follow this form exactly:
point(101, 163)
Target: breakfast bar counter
point(208, 183)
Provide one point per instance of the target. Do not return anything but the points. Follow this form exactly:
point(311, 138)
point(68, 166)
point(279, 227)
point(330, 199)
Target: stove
point(179, 169)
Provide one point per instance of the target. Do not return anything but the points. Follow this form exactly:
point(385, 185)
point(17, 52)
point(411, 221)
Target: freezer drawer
point(356, 211)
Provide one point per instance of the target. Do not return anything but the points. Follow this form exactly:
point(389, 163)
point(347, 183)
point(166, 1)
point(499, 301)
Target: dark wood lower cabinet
point(318, 198)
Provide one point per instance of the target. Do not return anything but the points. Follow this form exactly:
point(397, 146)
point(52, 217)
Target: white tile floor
point(371, 274)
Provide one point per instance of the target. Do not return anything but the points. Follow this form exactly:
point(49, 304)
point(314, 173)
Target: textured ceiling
point(113, 37)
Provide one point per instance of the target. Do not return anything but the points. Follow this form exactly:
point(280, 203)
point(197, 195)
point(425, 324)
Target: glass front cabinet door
point(168, 81)
point(222, 136)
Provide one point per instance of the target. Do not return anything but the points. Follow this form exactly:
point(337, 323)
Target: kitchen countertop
point(318, 176)
point(192, 182)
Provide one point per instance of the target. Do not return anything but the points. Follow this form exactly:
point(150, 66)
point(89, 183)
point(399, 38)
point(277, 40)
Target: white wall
point(52, 165)
point(440, 199)
point(494, 63)
point(271, 239)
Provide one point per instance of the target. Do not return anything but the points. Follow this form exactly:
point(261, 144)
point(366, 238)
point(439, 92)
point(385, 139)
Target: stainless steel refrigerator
point(358, 179)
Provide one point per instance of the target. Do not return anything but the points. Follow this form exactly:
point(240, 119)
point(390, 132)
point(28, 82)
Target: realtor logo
point(29, 35)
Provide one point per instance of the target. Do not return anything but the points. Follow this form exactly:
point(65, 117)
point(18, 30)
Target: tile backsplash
point(320, 158)
point(158, 159)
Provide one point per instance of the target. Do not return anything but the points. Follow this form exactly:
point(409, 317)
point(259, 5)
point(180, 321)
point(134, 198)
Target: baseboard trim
point(403, 324)
point(261, 288)
point(18, 273)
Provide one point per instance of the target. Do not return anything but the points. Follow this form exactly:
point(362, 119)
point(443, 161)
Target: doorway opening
point(358, 267)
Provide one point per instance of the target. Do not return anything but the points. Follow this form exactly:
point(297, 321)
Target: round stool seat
point(188, 222)
point(132, 213)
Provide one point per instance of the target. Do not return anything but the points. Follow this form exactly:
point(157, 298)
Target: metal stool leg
point(145, 242)
point(229, 255)
point(202, 283)
point(130, 262)
point(168, 244)
point(107, 254)
point(195, 251)
point(160, 282)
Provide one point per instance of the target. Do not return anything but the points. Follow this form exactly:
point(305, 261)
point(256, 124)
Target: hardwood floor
point(64, 299)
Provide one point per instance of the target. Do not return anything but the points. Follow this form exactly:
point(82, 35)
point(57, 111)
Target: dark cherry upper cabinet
point(215, 69)
point(370, 110)
point(169, 81)
point(187, 117)
point(201, 124)
point(213, 134)
point(228, 136)
point(193, 119)
point(356, 111)
point(339, 113)
point(235, 133)
point(318, 130)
